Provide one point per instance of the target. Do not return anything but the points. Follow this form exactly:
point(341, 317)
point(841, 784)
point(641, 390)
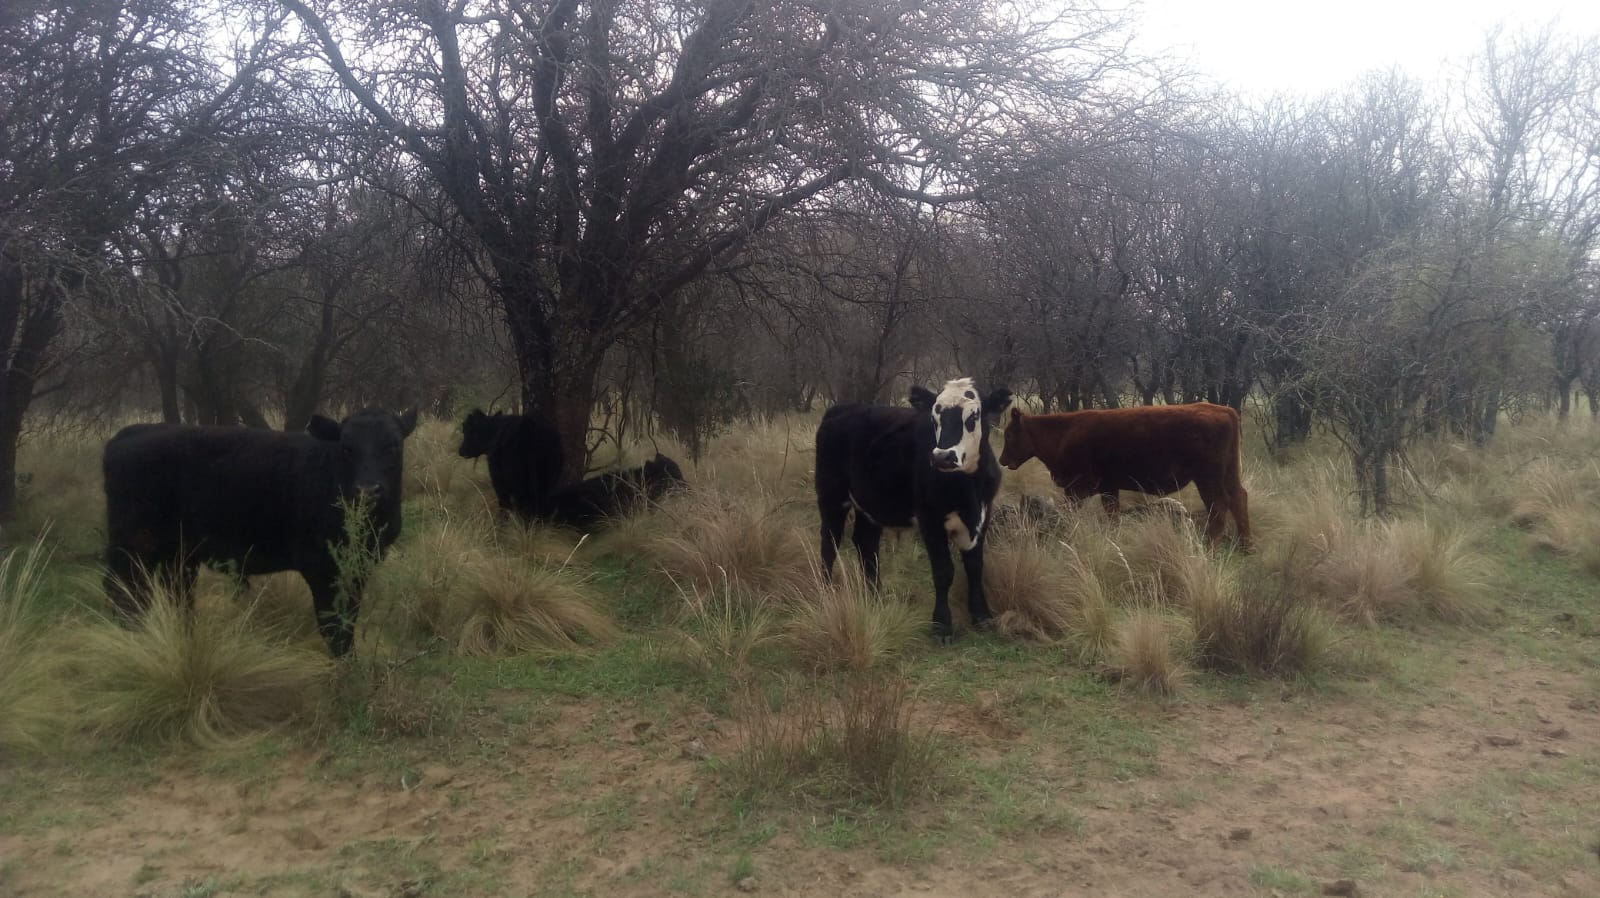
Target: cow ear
point(995, 404)
point(408, 422)
point(922, 398)
point(324, 429)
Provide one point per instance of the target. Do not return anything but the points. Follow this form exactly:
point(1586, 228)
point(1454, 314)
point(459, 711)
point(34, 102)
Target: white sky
point(1309, 46)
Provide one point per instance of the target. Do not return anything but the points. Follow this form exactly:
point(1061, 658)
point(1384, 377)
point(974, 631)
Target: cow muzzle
point(369, 491)
point(946, 460)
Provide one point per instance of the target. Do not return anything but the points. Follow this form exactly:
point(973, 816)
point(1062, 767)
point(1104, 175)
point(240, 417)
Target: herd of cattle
point(260, 501)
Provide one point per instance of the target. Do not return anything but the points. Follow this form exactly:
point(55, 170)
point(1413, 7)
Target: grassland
point(680, 705)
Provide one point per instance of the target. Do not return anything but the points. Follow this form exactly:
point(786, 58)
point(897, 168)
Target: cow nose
point(370, 490)
point(944, 456)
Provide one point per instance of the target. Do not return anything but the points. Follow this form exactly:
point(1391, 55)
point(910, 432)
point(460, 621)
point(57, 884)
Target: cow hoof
point(983, 624)
point(943, 639)
point(943, 634)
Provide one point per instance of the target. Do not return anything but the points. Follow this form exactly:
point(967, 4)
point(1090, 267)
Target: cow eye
point(972, 423)
point(971, 395)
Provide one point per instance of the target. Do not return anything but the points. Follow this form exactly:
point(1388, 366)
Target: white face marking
point(958, 408)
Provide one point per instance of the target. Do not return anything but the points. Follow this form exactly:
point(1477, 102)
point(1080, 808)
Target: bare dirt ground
point(1482, 778)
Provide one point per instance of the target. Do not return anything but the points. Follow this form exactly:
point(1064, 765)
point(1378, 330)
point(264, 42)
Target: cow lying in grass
point(1157, 449)
point(257, 500)
point(929, 465)
point(590, 504)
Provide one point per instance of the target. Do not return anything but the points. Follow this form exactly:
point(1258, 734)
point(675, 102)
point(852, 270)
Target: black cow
point(591, 503)
point(525, 459)
point(260, 501)
point(931, 465)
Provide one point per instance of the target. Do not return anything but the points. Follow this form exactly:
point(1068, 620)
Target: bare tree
point(605, 153)
point(101, 104)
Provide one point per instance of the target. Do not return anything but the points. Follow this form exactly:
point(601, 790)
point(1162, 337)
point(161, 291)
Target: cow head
point(661, 474)
point(1018, 448)
point(371, 444)
point(478, 432)
point(960, 421)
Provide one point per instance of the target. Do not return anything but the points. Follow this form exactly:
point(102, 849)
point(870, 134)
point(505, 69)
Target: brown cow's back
point(1150, 449)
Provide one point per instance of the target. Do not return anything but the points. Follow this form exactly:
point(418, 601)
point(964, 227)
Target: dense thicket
point(641, 215)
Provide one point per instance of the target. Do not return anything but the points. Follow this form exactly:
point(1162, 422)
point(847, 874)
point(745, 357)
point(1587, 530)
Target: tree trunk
point(34, 332)
point(1564, 395)
point(306, 391)
point(565, 399)
point(166, 365)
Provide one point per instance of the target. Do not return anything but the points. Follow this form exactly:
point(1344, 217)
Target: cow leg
point(937, 542)
point(1239, 505)
point(867, 536)
point(337, 625)
point(1111, 501)
point(833, 517)
point(1216, 511)
point(977, 602)
point(126, 582)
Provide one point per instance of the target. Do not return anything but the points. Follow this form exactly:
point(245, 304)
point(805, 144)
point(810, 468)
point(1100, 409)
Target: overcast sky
point(1261, 46)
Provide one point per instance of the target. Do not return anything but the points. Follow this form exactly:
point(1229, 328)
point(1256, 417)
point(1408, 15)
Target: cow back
point(258, 498)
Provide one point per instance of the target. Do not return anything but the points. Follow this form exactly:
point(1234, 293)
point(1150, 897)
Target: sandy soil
point(1439, 794)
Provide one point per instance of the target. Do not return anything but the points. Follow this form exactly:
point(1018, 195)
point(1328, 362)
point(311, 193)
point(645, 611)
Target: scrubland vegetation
point(692, 227)
point(826, 698)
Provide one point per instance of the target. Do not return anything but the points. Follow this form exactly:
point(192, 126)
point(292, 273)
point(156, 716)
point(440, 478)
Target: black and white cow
point(929, 465)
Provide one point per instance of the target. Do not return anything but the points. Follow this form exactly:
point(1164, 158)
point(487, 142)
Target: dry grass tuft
point(846, 625)
point(1265, 629)
point(1445, 571)
point(508, 608)
point(1158, 546)
point(717, 539)
point(858, 744)
point(1029, 580)
point(206, 677)
point(1399, 571)
point(1150, 652)
point(720, 630)
point(33, 706)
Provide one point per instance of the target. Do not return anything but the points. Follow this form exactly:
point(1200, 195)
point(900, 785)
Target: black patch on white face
point(972, 422)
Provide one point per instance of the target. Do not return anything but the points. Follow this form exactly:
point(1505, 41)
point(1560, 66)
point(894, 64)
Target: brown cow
point(1155, 449)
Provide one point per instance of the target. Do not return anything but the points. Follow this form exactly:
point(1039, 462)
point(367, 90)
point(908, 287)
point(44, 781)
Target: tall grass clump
point(1029, 581)
point(721, 630)
point(1445, 570)
point(859, 745)
point(847, 625)
point(1399, 571)
point(714, 539)
point(1265, 628)
point(205, 676)
point(1559, 504)
point(507, 607)
point(33, 707)
point(1151, 651)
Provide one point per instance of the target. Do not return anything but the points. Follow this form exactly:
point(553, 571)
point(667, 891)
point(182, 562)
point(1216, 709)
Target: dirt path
point(1486, 786)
